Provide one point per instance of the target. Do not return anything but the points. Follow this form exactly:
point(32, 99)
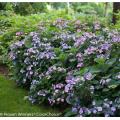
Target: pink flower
point(19, 33)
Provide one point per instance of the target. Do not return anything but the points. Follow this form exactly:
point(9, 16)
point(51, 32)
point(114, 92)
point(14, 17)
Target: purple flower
point(88, 76)
point(68, 87)
point(42, 93)
point(30, 50)
point(77, 22)
point(113, 109)
point(74, 110)
point(31, 72)
point(58, 86)
point(102, 82)
point(51, 101)
point(79, 65)
point(80, 41)
point(106, 105)
point(79, 55)
point(107, 115)
point(62, 100)
point(90, 50)
point(97, 26)
point(105, 46)
point(12, 56)
point(81, 111)
point(89, 35)
point(19, 44)
point(65, 46)
point(99, 109)
point(116, 39)
point(94, 111)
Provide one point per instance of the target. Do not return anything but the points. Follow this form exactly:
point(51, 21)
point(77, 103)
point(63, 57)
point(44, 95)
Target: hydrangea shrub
point(71, 63)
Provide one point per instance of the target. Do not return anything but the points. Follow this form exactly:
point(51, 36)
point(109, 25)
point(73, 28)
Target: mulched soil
point(4, 70)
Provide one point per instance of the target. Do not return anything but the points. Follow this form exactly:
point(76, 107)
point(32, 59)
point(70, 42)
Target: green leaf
point(95, 69)
point(114, 83)
point(69, 114)
point(57, 51)
point(81, 71)
point(105, 89)
point(63, 57)
point(95, 82)
point(110, 62)
point(99, 60)
point(73, 50)
point(28, 42)
point(112, 86)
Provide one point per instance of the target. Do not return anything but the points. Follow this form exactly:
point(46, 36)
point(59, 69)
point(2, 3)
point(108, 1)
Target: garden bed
point(72, 64)
point(4, 70)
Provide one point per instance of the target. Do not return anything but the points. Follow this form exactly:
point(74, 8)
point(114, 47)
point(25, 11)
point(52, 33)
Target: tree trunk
point(68, 7)
point(106, 7)
point(116, 9)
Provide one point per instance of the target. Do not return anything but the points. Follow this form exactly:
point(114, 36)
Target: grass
point(12, 101)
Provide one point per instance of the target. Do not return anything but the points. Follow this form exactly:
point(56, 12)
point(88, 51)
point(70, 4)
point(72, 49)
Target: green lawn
point(12, 101)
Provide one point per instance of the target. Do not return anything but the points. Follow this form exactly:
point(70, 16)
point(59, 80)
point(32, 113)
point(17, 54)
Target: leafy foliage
point(71, 63)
